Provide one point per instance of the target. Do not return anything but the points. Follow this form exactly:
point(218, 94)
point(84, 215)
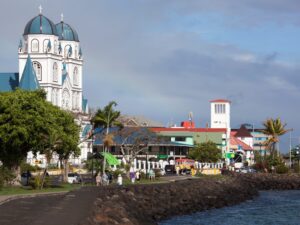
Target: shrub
point(6, 176)
point(1, 182)
point(281, 168)
point(35, 182)
point(116, 173)
point(157, 172)
point(27, 167)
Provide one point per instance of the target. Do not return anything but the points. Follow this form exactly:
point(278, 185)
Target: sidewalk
point(7, 198)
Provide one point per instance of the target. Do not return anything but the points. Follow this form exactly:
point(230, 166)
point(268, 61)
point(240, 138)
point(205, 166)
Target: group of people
point(105, 179)
point(134, 176)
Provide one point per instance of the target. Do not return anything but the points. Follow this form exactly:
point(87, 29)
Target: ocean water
point(269, 208)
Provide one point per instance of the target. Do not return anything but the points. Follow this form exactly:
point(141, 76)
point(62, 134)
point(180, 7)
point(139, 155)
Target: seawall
point(147, 204)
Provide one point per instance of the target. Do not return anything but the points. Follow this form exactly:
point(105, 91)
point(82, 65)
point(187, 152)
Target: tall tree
point(106, 118)
point(29, 123)
point(206, 152)
point(274, 128)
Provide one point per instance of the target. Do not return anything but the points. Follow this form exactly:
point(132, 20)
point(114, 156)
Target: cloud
point(154, 60)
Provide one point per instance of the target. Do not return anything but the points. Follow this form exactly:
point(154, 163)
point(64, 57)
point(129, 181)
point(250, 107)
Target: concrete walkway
point(57, 209)
point(7, 198)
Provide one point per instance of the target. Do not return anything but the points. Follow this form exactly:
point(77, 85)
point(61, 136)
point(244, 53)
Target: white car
point(74, 178)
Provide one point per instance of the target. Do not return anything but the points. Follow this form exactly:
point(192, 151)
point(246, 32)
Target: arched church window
point(34, 45)
point(55, 47)
point(66, 99)
point(75, 76)
point(45, 45)
point(76, 52)
point(55, 72)
point(78, 100)
point(66, 51)
point(74, 100)
point(56, 97)
point(53, 99)
point(38, 69)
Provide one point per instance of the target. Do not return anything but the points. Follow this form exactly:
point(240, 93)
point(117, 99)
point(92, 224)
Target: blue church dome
point(66, 32)
point(40, 25)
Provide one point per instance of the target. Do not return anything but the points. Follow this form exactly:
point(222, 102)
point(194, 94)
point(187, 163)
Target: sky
point(165, 58)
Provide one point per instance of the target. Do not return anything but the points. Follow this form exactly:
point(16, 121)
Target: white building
point(220, 118)
point(50, 58)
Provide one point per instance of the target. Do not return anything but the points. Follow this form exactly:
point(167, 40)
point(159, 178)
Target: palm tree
point(274, 128)
point(106, 118)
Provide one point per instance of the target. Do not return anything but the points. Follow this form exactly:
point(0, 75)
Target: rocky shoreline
point(148, 204)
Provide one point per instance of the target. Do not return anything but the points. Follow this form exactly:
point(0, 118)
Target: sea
point(269, 208)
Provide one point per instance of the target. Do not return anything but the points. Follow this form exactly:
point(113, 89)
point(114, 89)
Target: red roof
point(220, 100)
point(180, 129)
point(236, 141)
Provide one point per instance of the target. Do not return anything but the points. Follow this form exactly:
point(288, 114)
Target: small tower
point(220, 117)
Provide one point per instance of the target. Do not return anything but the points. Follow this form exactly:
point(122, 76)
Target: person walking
point(177, 170)
point(132, 176)
point(137, 175)
point(98, 179)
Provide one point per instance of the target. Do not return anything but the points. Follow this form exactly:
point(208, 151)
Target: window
point(66, 99)
point(113, 149)
point(34, 45)
point(55, 47)
point(45, 45)
point(74, 100)
point(66, 51)
point(53, 98)
point(55, 72)
point(76, 52)
point(179, 138)
point(75, 76)
point(38, 70)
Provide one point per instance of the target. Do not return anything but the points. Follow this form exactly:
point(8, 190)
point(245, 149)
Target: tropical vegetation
point(206, 152)
point(29, 123)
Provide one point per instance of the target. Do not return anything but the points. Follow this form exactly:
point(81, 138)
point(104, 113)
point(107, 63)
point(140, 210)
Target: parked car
point(74, 178)
point(170, 169)
point(247, 170)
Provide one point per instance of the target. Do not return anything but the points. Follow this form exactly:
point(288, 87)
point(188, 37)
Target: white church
point(50, 57)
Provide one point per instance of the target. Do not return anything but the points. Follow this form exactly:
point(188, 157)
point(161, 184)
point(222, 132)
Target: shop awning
point(111, 160)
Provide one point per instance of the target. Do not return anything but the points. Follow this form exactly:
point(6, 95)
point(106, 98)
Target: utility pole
point(291, 130)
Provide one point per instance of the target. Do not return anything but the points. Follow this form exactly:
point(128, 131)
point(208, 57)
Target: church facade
point(50, 57)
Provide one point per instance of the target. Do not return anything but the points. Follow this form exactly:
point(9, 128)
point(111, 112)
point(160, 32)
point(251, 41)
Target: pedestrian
point(110, 178)
point(120, 180)
point(132, 176)
point(98, 179)
point(151, 174)
point(193, 171)
point(104, 179)
point(137, 175)
point(177, 170)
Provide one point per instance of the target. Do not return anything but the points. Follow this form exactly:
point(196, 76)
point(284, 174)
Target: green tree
point(29, 123)
point(206, 152)
point(274, 128)
point(106, 118)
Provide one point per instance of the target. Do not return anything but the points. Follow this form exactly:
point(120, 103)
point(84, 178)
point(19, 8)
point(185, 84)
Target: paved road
point(61, 209)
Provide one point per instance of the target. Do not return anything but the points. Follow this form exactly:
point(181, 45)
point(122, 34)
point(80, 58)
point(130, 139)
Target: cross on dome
point(40, 8)
point(62, 17)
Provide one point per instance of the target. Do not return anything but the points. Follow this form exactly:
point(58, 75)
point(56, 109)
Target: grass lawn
point(28, 190)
